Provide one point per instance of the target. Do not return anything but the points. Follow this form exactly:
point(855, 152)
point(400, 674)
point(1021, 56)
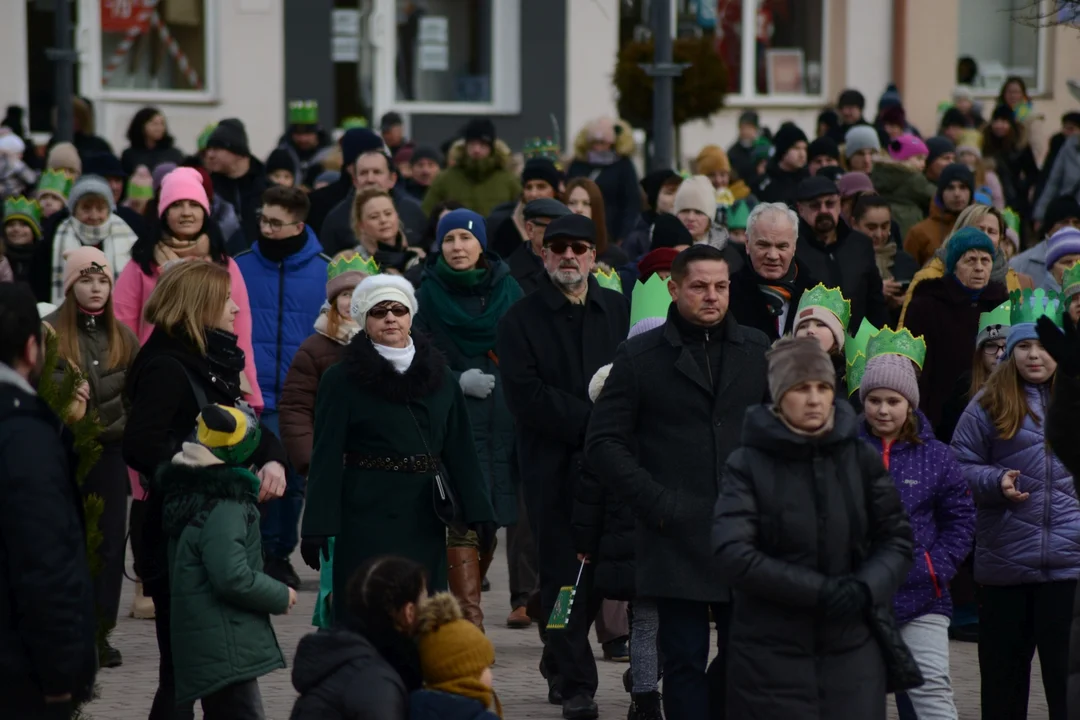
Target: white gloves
point(477, 384)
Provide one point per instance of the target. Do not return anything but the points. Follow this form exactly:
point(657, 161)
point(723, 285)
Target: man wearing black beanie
point(786, 168)
point(955, 190)
point(539, 179)
point(426, 166)
point(238, 177)
point(823, 152)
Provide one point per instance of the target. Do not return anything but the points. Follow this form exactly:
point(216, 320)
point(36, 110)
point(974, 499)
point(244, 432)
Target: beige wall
point(13, 56)
point(592, 46)
point(1064, 65)
point(929, 59)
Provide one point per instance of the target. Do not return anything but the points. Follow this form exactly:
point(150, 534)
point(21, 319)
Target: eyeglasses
point(993, 349)
point(273, 223)
point(558, 247)
point(380, 311)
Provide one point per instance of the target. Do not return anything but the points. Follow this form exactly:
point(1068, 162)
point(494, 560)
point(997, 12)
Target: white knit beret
point(377, 289)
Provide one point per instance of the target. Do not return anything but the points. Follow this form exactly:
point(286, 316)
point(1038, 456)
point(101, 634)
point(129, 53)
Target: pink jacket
point(133, 287)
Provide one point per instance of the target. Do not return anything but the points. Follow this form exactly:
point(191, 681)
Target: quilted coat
point(1037, 540)
point(285, 299)
point(942, 515)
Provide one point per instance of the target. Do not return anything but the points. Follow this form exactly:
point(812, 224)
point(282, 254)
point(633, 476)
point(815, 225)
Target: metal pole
point(65, 58)
point(663, 72)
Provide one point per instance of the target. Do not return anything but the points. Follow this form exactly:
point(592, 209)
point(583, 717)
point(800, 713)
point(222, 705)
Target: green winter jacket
point(221, 599)
point(908, 191)
point(492, 423)
point(479, 185)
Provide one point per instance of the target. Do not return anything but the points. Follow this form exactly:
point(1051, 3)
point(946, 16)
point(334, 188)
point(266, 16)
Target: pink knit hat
point(907, 146)
point(84, 260)
point(183, 183)
point(890, 372)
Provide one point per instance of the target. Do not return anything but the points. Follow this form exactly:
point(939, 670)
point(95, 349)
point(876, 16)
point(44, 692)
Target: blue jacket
point(435, 705)
point(285, 299)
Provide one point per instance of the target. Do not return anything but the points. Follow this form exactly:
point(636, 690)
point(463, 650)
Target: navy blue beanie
point(964, 239)
point(461, 219)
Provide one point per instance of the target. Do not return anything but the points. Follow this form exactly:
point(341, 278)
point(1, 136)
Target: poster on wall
point(126, 16)
point(433, 50)
point(785, 71)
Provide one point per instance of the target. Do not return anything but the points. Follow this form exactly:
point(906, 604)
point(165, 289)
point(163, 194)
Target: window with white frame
point(453, 56)
point(154, 46)
point(1008, 40)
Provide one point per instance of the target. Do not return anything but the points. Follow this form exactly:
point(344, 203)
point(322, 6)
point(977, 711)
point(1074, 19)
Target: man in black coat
point(239, 177)
point(837, 255)
point(550, 344)
point(526, 262)
point(670, 414)
point(766, 290)
point(787, 167)
point(47, 621)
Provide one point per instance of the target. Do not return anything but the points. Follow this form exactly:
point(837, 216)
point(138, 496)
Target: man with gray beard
point(550, 344)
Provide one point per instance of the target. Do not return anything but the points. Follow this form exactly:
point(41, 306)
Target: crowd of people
point(814, 393)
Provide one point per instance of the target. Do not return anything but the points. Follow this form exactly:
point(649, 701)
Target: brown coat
point(297, 407)
point(925, 237)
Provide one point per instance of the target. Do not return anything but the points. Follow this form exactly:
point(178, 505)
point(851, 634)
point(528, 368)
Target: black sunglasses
point(380, 311)
point(559, 247)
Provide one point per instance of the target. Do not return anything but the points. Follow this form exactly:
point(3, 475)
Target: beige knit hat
point(793, 361)
point(696, 193)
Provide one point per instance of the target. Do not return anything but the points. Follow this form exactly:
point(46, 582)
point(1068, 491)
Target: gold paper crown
point(351, 262)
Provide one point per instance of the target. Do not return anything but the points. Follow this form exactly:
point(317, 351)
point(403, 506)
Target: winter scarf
point(777, 292)
point(114, 237)
point(472, 334)
point(170, 249)
point(399, 358)
point(885, 256)
point(347, 329)
point(226, 359)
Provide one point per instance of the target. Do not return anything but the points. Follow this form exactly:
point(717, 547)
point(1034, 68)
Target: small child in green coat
point(222, 639)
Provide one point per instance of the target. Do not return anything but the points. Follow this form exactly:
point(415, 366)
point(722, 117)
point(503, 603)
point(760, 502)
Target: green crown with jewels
point(829, 298)
point(897, 342)
point(541, 148)
point(23, 208)
point(353, 121)
point(55, 182)
point(649, 299)
point(1012, 220)
point(1002, 314)
point(608, 279)
point(351, 262)
point(1027, 306)
point(853, 374)
point(1070, 281)
point(855, 355)
point(303, 112)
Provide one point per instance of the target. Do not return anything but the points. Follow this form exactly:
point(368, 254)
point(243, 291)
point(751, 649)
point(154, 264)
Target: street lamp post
point(65, 57)
point(663, 72)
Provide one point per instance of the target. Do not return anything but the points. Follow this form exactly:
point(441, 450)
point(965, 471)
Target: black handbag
point(443, 498)
point(901, 670)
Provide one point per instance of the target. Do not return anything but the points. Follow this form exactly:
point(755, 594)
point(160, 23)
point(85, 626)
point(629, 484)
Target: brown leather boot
point(465, 582)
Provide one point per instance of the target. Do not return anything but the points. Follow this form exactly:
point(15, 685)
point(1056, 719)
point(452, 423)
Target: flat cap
point(571, 227)
point(545, 208)
point(816, 186)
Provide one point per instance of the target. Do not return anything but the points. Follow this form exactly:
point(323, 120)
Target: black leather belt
point(388, 463)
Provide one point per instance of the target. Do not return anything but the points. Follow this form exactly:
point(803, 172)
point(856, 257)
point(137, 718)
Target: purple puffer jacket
point(934, 493)
point(1037, 540)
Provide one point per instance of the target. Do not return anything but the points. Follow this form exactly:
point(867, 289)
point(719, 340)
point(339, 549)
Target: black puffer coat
point(341, 676)
point(781, 527)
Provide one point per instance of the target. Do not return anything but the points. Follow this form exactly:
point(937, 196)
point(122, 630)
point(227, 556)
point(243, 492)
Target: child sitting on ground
point(221, 600)
point(456, 659)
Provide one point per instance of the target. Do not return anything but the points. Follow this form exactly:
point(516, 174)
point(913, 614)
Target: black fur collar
point(375, 374)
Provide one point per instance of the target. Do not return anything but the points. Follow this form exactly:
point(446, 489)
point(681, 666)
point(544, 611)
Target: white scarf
point(114, 236)
point(400, 358)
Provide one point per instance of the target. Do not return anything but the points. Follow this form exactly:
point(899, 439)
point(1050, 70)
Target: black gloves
point(485, 533)
point(313, 548)
point(843, 597)
point(1064, 347)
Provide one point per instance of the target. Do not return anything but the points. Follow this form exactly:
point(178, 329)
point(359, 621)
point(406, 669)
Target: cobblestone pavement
point(127, 692)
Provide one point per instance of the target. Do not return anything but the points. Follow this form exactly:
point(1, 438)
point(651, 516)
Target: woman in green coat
point(465, 291)
point(382, 415)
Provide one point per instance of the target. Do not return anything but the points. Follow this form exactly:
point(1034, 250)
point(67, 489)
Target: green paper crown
point(303, 112)
point(353, 121)
point(830, 299)
point(738, 215)
point(351, 262)
point(608, 279)
point(204, 136)
point(1027, 306)
point(1001, 315)
point(857, 345)
point(136, 191)
point(854, 373)
point(21, 208)
point(897, 342)
point(1012, 220)
point(56, 182)
point(649, 300)
point(542, 148)
point(1070, 281)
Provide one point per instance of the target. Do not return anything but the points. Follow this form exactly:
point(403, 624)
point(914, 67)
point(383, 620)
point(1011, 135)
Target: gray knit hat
point(861, 137)
point(795, 360)
point(90, 185)
point(890, 372)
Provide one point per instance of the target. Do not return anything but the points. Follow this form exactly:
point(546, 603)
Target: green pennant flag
point(564, 603)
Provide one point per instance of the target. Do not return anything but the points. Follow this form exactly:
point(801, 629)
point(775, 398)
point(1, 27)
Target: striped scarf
point(777, 292)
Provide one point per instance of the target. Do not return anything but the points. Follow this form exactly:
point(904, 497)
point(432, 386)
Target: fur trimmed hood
point(596, 384)
point(501, 154)
point(374, 373)
point(624, 139)
point(195, 482)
